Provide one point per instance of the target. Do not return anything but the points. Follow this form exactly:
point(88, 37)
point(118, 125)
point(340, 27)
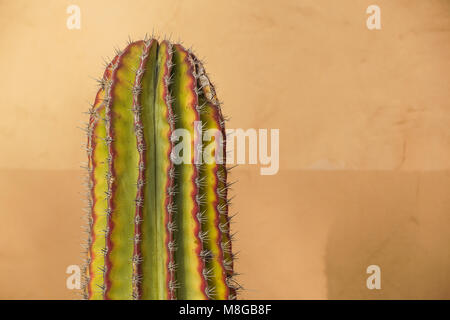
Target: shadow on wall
point(400, 222)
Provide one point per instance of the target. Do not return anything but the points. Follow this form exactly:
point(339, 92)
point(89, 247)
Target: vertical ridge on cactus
point(158, 227)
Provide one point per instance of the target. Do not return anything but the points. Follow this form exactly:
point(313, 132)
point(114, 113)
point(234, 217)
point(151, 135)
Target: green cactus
point(157, 228)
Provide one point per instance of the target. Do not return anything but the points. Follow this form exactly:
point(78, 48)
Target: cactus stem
point(156, 229)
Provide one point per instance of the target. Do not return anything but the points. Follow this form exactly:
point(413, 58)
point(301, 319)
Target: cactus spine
point(157, 228)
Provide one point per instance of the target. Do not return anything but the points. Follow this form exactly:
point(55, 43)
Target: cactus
point(157, 228)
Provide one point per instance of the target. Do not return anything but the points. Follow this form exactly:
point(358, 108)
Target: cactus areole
point(158, 228)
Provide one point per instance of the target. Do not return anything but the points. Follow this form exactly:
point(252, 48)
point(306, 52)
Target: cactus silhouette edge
point(157, 229)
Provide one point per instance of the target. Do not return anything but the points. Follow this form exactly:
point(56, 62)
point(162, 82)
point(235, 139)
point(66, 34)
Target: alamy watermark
point(208, 146)
point(374, 20)
point(73, 21)
point(73, 281)
point(374, 280)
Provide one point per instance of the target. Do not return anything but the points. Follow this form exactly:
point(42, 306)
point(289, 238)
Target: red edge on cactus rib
point(111, 153)
point(91, 158)
point(218, 120)
point(170, 180)
point(195, 210)
point(216, 117)
point(224, 152)
point(140, 142)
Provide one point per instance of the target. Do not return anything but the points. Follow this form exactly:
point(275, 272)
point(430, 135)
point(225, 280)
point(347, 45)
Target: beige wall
point(364, 137)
